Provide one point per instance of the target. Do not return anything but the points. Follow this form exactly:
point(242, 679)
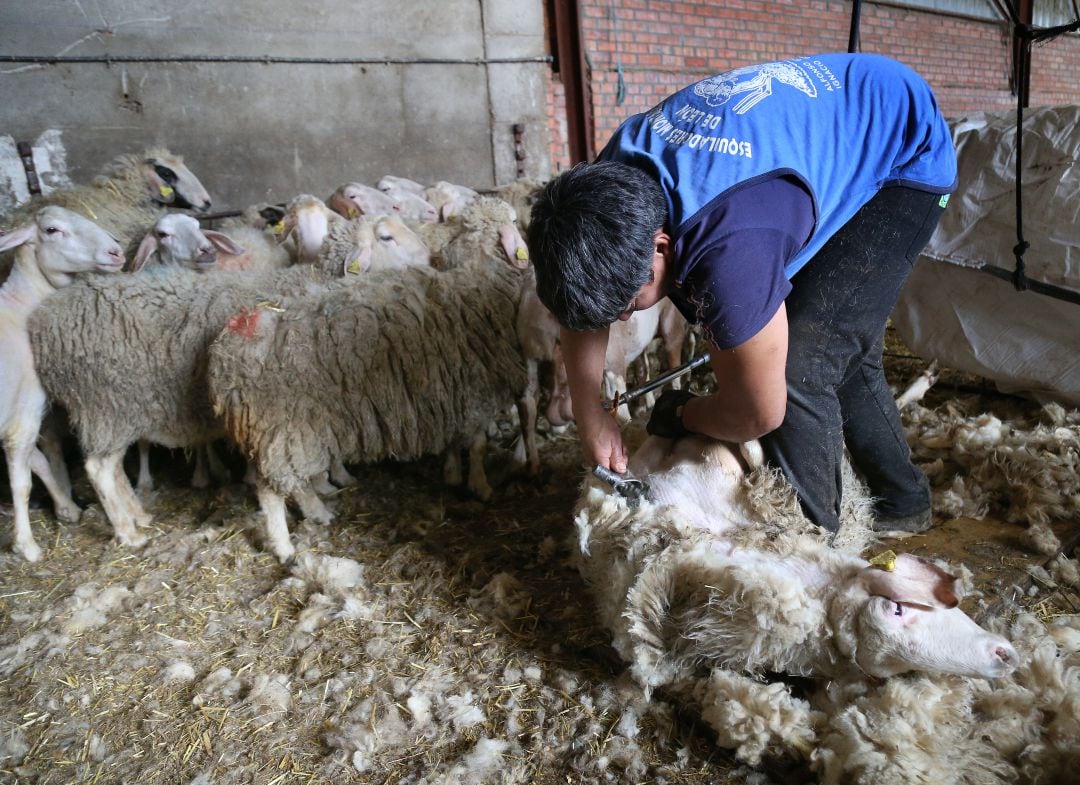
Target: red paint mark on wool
point(244, 323)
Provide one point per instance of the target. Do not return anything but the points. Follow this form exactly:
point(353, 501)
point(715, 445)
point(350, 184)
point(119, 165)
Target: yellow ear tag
point(353, 212)
point(278, 228)
point(522, 253)
point(354, 268)
point(166, 191)
point(885, 560)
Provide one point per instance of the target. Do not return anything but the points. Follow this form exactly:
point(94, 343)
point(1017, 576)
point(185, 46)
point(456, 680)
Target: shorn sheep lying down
point(717, 581)
point(694, 577)
point(414, 363)
point(50, 251)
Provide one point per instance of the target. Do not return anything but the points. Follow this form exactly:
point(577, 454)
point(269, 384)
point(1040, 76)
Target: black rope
point(1025, 35)
point(853, 31)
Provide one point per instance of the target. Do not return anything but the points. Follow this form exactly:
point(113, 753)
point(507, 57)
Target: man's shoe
point(919, 522)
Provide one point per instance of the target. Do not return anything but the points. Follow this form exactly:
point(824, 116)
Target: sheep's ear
point(288, 224)
point(342, 206)
point(223, 242)
point(448, 211)
point(360, 263)
point(16, 237)
point(517, 253)
point(146, 249)
point(913, 581)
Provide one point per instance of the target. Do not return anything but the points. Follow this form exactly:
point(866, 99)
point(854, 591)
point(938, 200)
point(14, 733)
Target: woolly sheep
point(389, 182)
point(148, 336)
point(414, 363)
point(306, 223)
point(129, 195)
point(449, 199)
point(627, 341)
point(351, 200)
point(485, 229)
point(368, 244)
point(522, 195)
point(178, 240)
point(717, 572)
point(49, 252)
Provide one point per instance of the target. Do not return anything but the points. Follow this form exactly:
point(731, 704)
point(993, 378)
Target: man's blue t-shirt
point(730, 276)
point(842, 126)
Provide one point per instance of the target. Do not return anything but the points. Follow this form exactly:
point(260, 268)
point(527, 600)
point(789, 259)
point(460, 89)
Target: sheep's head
point(496, 220)
point(64, 244)
point(307, 220)
point(178, 240)
point(352, 200)
point(172, 183)
point(907, 619)
point(383, 243)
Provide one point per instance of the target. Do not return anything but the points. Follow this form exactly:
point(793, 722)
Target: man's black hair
point(592, 238)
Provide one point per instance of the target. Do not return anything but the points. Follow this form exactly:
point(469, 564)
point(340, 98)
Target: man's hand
point(666, 418)
point(601, 441)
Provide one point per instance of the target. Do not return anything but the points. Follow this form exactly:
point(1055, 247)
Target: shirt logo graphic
point(752, 84)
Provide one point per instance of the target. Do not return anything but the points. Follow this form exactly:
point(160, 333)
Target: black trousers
point(836, 386)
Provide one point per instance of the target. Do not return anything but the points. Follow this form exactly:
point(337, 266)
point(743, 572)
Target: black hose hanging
point(1025, 35)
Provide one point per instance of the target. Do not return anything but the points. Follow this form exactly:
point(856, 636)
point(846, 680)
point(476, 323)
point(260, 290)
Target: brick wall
point(664, 45)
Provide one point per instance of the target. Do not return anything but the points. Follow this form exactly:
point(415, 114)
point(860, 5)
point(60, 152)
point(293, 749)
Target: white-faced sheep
point(129, 195)
point(306, 222)
point(716, 572)
point(522, 195)
point(177, 240)
point(484, 229)
point(369, 244)
point(49, 251)
point(449, 199)
point(389, 182)
point(352, 200)
point(415, 363)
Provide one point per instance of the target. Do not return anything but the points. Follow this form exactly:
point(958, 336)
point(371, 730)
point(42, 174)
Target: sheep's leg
point(144, 485)
point(527, 418)
point(312, 507)
point(249, 474)
point(52, 446)
point(277, 526)
point(321, 484)
point(66, 508)
point(218, 470)
point(18, 465)
point(452, 466)
point(642, 373)
point(200, 478)
point(478, 483)
point(340, 475)
point(106, 474)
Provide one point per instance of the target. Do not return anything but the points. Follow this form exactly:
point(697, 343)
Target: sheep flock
point(346, 560)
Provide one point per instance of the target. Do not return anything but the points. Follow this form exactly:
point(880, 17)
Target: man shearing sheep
point(781, 206)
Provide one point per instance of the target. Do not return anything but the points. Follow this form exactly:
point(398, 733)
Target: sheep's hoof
point(482, 492)
point(321, 518)
point(132, 540)
point(286, 554)
point(69, 514)
point(30, 551)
